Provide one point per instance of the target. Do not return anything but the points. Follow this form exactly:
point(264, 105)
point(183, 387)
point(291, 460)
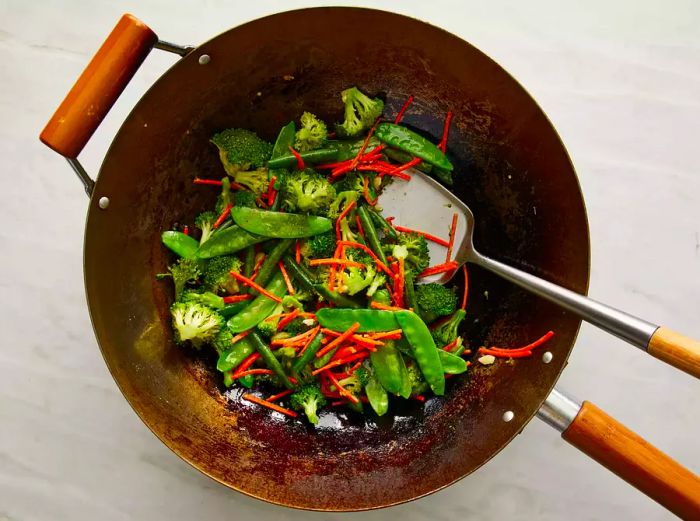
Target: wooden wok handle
point(98, 87)
point(635, 460)
point(677, 350)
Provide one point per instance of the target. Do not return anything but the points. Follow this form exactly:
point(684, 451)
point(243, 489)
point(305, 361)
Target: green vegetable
point(342, 200)
point(404, 139)
point(309, 354)
point(384, 225)
point(434, 300)
point(349, 148)
point(402, 157)
point(269, 265)
point(269, 358)
point(371, 233)
point(413, 248)
point(308, 399)
point(370, 320)
point(415, 378)
point(320, 362)
point(249, 261)
point(280, 225)
point(312, 134)
point(447, 331)
point(409, 290)
point(306, 191)
point(217, 275)
point(228, 241)
point(321, 155)
point(257, 181)
point(268, 327)
point(377, 396)
point(241, 149)
point(206, 298)
point(183, 245)
point(224, 198)
point(381, 297)
point(194, 323)
point(361, 112)
point(259, 308)
point(452, 364)
point(424, 349)
point(285, 139)
point(244, 198)
point(306, 280)
point(321, 246)
point(232, 309)
point(205, 222)
point(183, 272)
point(389, 367)
point(234, 355)
point(442, 175)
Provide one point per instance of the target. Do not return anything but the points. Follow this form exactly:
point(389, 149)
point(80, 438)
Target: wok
point(509, 160)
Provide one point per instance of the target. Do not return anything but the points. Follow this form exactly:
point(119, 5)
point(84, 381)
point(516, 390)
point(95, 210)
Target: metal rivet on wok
point(547, 357)
point(103, 203)
point(508, 416)
point(204, 59)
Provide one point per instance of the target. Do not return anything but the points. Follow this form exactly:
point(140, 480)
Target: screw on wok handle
point(677, 350)
point(642, 465)
point(98, 87)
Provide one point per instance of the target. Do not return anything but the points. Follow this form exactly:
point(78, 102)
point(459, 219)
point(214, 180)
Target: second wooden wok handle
point(677, 350)
point(635, 460)
point(98, 87)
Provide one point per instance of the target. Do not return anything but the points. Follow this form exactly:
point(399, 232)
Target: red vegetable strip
point(311, 338)
point(369, 252)
point(545, 338)
point(430, 237)
point(500, 354)
point(269, 405)
point(186, 231)
point(438, 268)
point(261, 203)
point(374, 167)
point(466, 286)
point(240, 336)
point(453, 230)
point(223, 216)
point(360, 339)
point(256, 268)
point(246, 363)
point(253, 372)
point(342, 390)
point(451, 345)
point(360, 230)
point(271, 191)
point(287, 280)
point(405, 166)
point(212, 182)
point(297, 251)
point(230, 299)
point(286, 320)
point(387, 334)
point(356, 160)
point(336, 363)
point(342, 338)
point(443, 142)
point(277, 396)
point(300, 161)
point(365, 192)
point(257, 287)
point(342, 216)
point(384, 307)
point(403, 110)
point(343, 262)
point(292, 340)
point(398, 293)
point(418, 397)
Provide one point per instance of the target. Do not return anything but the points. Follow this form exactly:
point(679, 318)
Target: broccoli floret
point(351, 182)
point(320, 246)
point(356, 381)
point(268, 327)
point(205, 222)
point(381, 296)
point(217, 276)
point(413, 247)
point(360, 112)
point(356, 279)
point(312, 134)
point(418, 383)
point(291, 302)
point(222, 340)
point(255, 180)
point(245, 199)
point(340, 202)
point(241, 149)
point(307, 192)
point(446, 332)
point(295, 327)
point(308, 399)
point(184, 271)
point(378, 282)
point(434, 301)
point(206, 298)
point(195, 323)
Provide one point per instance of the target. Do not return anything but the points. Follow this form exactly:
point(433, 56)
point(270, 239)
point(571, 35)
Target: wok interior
point(511, 169)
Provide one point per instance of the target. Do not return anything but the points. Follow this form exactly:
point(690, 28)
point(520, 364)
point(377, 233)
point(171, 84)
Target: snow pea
point(270, 359)
point(424, 349)
point(370, 320)
point(285, 139)
point(309, 354)
point(402, 157)
point(184, 245)
point(413, 143)
point(377, 396)
point(321, 155)
point(246, 381)
point(279, 224)
point(389, 367)
point(371, 233)
point(259, 308)
point(232, 358)
point(409, 290)
point(349, 149)
point(228, 241)
point(452, 364)
point(269, 265)
point(231, 309)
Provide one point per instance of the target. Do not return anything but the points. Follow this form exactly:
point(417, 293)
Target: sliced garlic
point(487, 359)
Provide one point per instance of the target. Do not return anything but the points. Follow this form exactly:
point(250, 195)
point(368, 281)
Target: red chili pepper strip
point(403, 110)
point(300, 161)
point(430, 237)
point(342, 216)
point(451, 345)
point(230, 299)
point(439, 268)
point(252, 371)
point(257, 287)
point(240, 336)
point(297, 251)
point(418, 397)
point(277, 396)
point(343, 262)
point(287, 280)
point(256, 268)
point(246, 363)
point(356, 160)
point(336, 363)
point(545, 338)
point(269, 405)
point(398, 292)
point(453, 230)
point(212, 182)
point(311, 338)
point(365, 192)
point(466, 286)
point(500, 354)
point(223, 216)
point(186, 230)
point(295, 339)
point(443, 142)
point(413, 162)
point(342, 390)
point(360, 339)
point(360, 230)
point(342, 338)
point(369, 252)
point(286, 320)
point(375, 167)
point(339, 252)
point(271, 191)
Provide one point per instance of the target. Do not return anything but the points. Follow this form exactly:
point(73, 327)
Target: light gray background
point(621, 82)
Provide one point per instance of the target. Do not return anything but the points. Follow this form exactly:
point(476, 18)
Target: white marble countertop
point(621, 82)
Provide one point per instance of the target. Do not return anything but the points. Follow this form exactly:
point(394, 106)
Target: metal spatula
point(425, 204)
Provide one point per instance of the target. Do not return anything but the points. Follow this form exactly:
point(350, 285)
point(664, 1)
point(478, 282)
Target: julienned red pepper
point(223, 215)
point(300, 160)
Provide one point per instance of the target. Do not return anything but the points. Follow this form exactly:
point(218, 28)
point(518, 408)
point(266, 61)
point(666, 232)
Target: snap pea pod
point(279, 225)
point(371, 233)
point(377, 396)
point(309, 354)
point(382, 223)
point(424, 349)
point(413, 143)
point(389, 367)
point(370, 320)
point(306, 280)
point(452, 364)
point(402, 157)
point(228, 241)
point(269, 265)
point(248, 265)
point(246, 381)
point(270, 359)
point(184, 245)
point(320, 362)
point(321, 155)
point(231, 309)
point(232, 358)
point(285, 139)
point(259, 308)
point(409, 291)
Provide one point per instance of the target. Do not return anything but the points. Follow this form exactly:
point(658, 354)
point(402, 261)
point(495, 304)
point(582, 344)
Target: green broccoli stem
point(270, 263)
point(382, 223)
point(371, 233)
point(270, 359)
point(409, 290)
point(306, 280)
